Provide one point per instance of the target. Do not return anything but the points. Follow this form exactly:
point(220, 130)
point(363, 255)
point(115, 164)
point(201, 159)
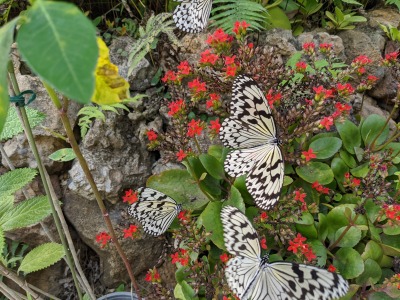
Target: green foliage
point(59, 44)
point(13, 126)
point(391, 32)
point(41, 257)
point(65, 154)
point(393, 2)
point(12, 181)
point(13, 253)
point(231, 11)
point(341, 20)
point(148, 37)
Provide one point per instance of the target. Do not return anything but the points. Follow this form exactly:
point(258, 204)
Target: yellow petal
point(110, 87)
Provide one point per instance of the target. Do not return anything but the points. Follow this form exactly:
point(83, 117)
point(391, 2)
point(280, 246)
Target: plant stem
point(351, 223)
point(90, 179)
point(197, 144)
point(29, 135)
point(5, 290)
point(20, 282)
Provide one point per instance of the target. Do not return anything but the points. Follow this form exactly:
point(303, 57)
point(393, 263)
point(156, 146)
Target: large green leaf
point(372, 273)
point(179, 185)
point(59, 44)
point(14, 180)
point(26, 213)
point(183, 291)
point(13, 126)
point(374, 129)
point(326, 147)
point(6, 203)
point(213, 166)
point(315, 171)
point(235, 199)
point(41, 257)
point(210, 218)
point(350, 239)
point(349, 134)
point(6, 39)
point(349, 262)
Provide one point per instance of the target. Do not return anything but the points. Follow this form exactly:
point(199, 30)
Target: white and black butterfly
point(192, 15)
point(251, 132)
point(251, 276)
point(154, 210)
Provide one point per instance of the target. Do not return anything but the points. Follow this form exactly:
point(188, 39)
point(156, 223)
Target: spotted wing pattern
point(251, 132)
point(154, 210)
point(252, 277)
point(192, 15)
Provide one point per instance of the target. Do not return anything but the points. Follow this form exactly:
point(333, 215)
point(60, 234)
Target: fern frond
point(231, 11)
point(156, 24)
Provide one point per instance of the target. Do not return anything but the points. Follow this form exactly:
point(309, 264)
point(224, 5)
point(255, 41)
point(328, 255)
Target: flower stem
point(351, 223)
point(29, 135)
point(90, 179)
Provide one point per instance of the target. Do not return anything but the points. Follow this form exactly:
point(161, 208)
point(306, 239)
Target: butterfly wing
point(251, 131)
point(192, 15)
point(284, 280)
point(154, 210)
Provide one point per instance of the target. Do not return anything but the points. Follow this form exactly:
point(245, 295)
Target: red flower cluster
point(344, 90)
point(308, 155)
point(219, 37)
point(263, 216)
point(309, 48)
point(321, 93)
point(214, 102)
point(319, 188)
point(240, 28)
point(301, 67)
point(151, 135)
point(103, 238)
point(208, 58)
point(331, 268)
point(325, 47)
point(230, 298)
point(176, 107)
point(272, 98)
point(197, 88)
point(184, 69)
point(326, 122)
point(194, 128)
point(392, 211)
point(182, 257)
point(131, 232)
point(130, 196)
point(224, 258)
point(351, 182)
point(215, 126)
point(360, 62)
point(170, 76)
point(297, 245)
point(299, 196)
point(184, 217)
point(390, 59)
point(181, 155)
point(153, 276)
point(263, 243)
point(231, 67)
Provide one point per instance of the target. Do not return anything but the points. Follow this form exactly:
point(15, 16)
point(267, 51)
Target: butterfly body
point(154, 210)
point(192, 15)
point(250, 131)
point(251, 276)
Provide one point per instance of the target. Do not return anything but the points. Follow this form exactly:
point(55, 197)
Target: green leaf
point(278, 18)
point(240, 184)
point(65, 154)
point(179, 185)
point(218, 152)
point(6, 203)
point(12, 181)
point(2, 241)
point(373, 128)
point(360, 171)
point(348, 159)
point(373, 251)
point(392, 230)
point(319, 250)
point(372, 273)
point(210, 218)
point(41, 257)
point(26, 213)
point(13, 126)
point(350, 239)
point(326, 147)
point(349, 262)
point(315, 171)
point(235, 199)
point(213, 166)
point(352, 2)
point(6, 39)
point(339, 169)
point(350, 135)
point(183, 291)
point(59, 44)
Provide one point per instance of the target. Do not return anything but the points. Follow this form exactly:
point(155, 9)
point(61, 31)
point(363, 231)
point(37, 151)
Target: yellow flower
point(110, 87)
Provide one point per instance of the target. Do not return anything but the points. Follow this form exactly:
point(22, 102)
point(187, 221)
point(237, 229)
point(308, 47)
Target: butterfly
point(251, 132)
point(192, 15)
point(251, 276)
point(154, 210)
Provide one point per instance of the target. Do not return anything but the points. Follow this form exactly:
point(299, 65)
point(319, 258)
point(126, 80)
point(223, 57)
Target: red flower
point(321, 93)
point(361, 61)
point(169, 76)
point(197, 87)
point(390, 58)
point(356, 182)
point(208, 58)
point(151, 135)
point(194, 128)
point(301, 66)
point(230, 60)
point(224, 258)
point(342, 107)
point(219, 37)
point(182, 257)
point(263, 243)
point(308, 154)
point(181, 155)
point(325, 47)
point(309, 254)
point(184, 68)
point(231, 70)
point(213, 102)
point(239, 28)
point(299, 196)
point(344, 89)
point(331, 268)
point(175, 257)
point(309, 48)
point(371, 79)
point(152, 275)
point(215, 126)
point(319, 188)
point(327, 122)
point(272, 98)
point(102, 238)
point(184, 217)
point(130, 197)
point(176, 107)
point(250, 45)
point(263, 216)
point(130, 232)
